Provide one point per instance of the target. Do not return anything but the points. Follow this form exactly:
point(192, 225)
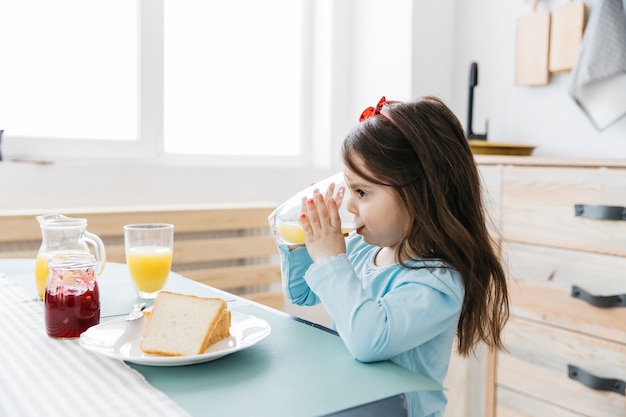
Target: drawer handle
point(600, 212)
point(602, 384)
point(603, 301)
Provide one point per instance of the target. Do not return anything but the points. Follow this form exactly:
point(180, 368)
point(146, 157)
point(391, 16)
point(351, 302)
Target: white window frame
point(148, 146)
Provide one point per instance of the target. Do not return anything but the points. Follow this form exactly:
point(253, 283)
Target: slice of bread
point(181, 324)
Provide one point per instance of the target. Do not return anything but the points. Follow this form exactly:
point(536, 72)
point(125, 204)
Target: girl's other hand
point(322, 227)
point(341, 191)
point(330, 191)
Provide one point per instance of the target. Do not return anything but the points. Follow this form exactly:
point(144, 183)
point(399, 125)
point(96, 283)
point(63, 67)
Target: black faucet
point(473, 82)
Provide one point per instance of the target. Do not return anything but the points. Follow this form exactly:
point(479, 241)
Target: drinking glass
point(149, 249)
point(284, 221)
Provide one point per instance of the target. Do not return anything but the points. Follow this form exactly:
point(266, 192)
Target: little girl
point(421, 267)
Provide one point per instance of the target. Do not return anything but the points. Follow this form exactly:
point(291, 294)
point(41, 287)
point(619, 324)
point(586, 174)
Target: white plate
point(120, 339)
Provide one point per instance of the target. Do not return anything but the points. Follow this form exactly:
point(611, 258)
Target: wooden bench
point(227, 247)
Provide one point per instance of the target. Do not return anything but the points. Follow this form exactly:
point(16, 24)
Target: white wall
point(545, 116)
point(65, 187)
point(398, 48)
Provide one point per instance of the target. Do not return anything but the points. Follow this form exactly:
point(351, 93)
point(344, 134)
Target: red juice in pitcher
point(72, 297)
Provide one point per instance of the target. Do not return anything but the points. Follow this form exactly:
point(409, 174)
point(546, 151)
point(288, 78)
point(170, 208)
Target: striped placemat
point(42, 376)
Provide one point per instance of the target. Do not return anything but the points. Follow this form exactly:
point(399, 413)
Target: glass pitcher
point(62, 235)
point(284, 221)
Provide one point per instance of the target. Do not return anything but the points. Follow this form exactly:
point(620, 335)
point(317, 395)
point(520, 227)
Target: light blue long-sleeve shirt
point(409, 316)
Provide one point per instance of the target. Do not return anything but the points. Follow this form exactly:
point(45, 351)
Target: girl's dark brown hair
point(419, 149)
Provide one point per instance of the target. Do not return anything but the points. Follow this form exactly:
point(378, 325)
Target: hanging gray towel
point(598, 83)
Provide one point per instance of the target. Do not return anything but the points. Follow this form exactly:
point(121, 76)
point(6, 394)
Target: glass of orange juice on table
point(284, 220)
point(149, 249)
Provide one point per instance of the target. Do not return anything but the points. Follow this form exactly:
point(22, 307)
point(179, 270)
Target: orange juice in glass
point(149, 249)
point(293, 233)
point(149, 267)
point(41, 273)
point(284, 220)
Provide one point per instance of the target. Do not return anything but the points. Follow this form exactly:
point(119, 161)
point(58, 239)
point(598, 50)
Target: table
point(300, 369)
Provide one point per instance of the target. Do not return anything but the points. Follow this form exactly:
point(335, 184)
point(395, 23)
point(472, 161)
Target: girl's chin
point(365, 238)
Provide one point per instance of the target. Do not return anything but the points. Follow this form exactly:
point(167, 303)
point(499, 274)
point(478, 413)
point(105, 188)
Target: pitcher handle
point(98, 245)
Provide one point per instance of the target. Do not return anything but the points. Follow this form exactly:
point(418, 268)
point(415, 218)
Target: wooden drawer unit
point(539, 363)
point(539, 206)
point(543, 286)
point(564, 243)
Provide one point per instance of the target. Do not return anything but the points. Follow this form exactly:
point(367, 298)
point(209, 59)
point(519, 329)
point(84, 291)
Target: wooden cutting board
point(532, 48)
point(568, 25)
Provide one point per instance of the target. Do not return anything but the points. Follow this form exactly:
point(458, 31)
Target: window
point(87, 79)
point(66, 74)
point(232, 79)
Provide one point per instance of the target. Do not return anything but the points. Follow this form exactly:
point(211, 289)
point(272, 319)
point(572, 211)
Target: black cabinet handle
point(602, 384)
point(600, 212)
point(602, 301)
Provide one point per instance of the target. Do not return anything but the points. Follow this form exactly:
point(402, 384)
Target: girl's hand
point(341, 192)
point(322, 227)
point(330, 191)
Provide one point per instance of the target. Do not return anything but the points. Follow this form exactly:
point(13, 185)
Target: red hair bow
point(373, 111)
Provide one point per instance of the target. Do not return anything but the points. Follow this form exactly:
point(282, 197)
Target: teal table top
point(298, 370)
